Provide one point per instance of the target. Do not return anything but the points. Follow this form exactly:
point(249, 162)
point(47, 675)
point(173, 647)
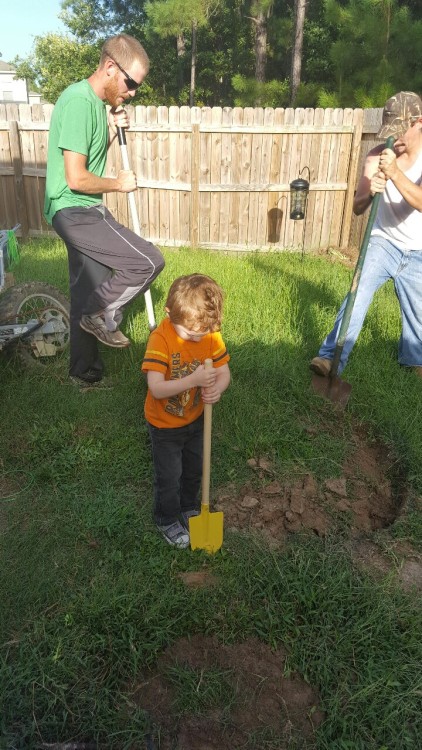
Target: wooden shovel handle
point(206, 459)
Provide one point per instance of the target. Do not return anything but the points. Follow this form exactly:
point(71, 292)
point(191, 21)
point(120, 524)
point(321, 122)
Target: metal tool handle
point(206, 458)
point(356, 279)
point(121, 135)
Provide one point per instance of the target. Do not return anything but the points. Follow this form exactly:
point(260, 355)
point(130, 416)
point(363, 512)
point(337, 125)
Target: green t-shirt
point(78, 123)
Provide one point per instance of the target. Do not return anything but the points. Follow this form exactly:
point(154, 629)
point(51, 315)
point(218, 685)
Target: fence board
point(307, 156)
point(236, 168)
point(174, 200)
point(185, 176)
point(205, 176)
point(8, 211)
point(264, 178)
point(371, 125)
point(163, 174)
point(342, 171)
point(215, 169)
point(195, 167)
point(40, 164)
point(225, 174)
point(256, 158)
point(245, 171)
point(274, 210)
point(353, 166)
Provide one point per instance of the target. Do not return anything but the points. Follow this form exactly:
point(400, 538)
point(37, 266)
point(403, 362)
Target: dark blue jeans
point(177, 457)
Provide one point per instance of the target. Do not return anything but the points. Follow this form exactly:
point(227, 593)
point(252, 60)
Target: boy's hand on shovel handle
point(211, 395)
point(204, 377)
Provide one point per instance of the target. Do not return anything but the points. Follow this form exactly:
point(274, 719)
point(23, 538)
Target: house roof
point(6, 66)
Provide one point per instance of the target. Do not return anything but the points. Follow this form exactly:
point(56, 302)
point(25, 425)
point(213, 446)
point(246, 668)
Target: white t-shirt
point(396, 220)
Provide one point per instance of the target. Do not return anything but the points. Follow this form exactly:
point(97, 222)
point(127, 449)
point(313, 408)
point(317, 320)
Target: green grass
point(90, 595)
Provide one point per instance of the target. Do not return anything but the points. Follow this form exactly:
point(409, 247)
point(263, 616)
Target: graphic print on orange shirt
point(176, 404)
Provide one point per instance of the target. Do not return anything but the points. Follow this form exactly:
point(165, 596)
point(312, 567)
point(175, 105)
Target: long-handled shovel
point(135, 220)
point(332, 387)
point(206, 530)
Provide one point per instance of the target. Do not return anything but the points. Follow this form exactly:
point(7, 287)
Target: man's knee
point(157, 259)
point(159, 264)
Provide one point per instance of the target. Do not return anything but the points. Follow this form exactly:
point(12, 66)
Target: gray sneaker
point(175, 535)
point(186, 515)
point(103, 384)
point(95, 324)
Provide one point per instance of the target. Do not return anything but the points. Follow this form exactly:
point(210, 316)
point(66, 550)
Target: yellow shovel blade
point(206, 530)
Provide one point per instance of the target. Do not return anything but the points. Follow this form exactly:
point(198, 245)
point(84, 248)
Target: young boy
point(178, 387)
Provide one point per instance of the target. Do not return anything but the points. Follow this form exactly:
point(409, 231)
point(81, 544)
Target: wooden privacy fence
point(210, 177)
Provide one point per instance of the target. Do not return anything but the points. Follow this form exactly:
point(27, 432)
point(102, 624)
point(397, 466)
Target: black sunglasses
point(129, 82)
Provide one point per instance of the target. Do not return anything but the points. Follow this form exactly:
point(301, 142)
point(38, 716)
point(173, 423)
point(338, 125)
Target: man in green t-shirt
point(109, 265)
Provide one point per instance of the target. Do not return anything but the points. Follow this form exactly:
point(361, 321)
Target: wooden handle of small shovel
point(121, 135)
point(206, 459)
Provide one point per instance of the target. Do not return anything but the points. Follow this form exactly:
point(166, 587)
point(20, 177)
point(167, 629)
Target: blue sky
point(22, 20)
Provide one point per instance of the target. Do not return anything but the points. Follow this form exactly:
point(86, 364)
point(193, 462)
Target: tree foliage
point(57, 62)
point(355, 52)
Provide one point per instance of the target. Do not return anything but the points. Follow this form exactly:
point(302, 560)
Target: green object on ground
point(12, 248)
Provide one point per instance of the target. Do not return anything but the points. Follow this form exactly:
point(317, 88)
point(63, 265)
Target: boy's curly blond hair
point(195, 302)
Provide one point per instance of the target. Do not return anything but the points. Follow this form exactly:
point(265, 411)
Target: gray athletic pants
point(109, 265)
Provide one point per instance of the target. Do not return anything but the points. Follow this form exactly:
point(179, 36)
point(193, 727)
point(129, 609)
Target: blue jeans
point(177, 457)
point(384, 261)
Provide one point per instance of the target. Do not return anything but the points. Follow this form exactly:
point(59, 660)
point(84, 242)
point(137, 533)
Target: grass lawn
point(92, 600)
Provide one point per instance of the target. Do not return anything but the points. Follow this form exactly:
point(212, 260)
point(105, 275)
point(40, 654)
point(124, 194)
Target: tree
point(174, 18)
point(56, 63)
point(261, 11)
point(299, 11)
point(376, 51)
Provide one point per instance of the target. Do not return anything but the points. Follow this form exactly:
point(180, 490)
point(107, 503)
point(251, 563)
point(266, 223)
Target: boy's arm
point(162, 388)
point(212, 394)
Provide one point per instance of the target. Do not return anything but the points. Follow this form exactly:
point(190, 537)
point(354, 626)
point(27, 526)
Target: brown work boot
point(321, 366)
point(95, 324)
point(418, 370)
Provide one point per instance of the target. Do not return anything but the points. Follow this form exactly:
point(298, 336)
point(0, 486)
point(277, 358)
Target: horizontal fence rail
point(210, 177)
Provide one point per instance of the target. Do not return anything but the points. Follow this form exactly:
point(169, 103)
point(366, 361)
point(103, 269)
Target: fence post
point(194, 196)
point(351, 180)
point(16, 153)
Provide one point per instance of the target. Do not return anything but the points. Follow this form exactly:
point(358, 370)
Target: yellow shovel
point(206, 530)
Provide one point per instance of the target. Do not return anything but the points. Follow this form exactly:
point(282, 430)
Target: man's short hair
point(195, 302)
point(399, 112)
point(124, 49)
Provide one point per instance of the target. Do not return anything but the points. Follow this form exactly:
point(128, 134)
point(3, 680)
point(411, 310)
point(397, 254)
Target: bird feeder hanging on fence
point(299, 190)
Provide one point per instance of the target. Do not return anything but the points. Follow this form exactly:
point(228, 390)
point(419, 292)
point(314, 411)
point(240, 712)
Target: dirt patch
point(197, 579)
point(366, 496)
point(260, 702)
point(399, 560)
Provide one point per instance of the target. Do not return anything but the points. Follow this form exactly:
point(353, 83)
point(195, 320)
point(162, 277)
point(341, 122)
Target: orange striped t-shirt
point(166, 352)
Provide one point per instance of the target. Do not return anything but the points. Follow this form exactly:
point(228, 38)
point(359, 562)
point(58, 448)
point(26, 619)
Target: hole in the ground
point(368, 495)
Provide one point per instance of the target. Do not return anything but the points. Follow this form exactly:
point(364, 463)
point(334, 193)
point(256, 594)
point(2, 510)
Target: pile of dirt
point(264, 700)
point(366, 496)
